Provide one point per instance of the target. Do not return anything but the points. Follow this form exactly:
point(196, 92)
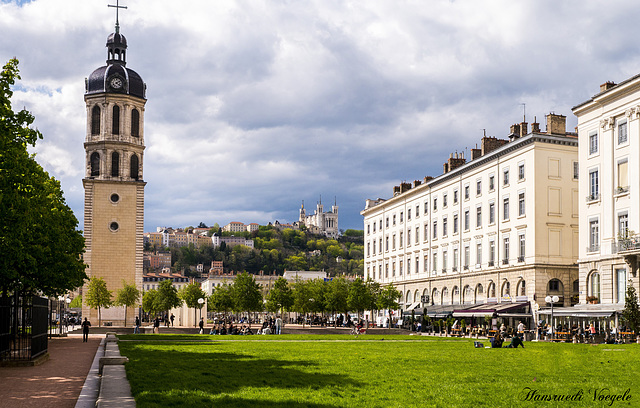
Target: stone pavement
point(55, 383)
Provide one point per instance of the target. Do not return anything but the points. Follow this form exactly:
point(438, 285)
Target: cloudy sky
point(254, 106)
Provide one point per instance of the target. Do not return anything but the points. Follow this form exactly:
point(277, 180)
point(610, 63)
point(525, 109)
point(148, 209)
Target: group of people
point(269, 326)
point(517, 340)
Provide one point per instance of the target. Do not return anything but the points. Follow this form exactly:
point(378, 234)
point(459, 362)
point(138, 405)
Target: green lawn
point(372, 371)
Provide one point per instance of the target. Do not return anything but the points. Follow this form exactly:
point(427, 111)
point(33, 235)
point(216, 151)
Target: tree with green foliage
point(76, 302)
point(149, 302)
point(246, 294)
point(98, 296)
point(337, 294)
point(374, 289)
point(302, 297)
point(354, 233)
point(318, 290)
point(358, 297)
point(388, 299)
point(280, 297)
point(128, 296)
point(167, 297)
point(40, 245)
point(631, 312)
point(190, 294)
point(296, 263)
point(221, 300)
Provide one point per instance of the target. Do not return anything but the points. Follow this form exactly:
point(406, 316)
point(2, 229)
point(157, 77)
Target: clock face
point(116, 83)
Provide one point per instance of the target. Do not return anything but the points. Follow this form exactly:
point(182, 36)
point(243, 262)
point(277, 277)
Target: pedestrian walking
point(201, 324)
point(85, 330)
point(156, 325)
point(278, 325)
point(172, 318)
point(136, 330)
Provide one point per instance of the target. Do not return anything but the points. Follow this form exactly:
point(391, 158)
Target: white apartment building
point(609, 132)
point(498, 233)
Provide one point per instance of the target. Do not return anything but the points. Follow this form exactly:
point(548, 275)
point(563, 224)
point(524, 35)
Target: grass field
point(374, 371)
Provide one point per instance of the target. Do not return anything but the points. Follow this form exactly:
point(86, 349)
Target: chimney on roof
point(514, 130)
point(454, 162)
point(416, 183)
point(428, 179)
point(490, 143)
point(524, 128)
point(535, 126)
point(607, 85)
point(556, 124)
point(475, 153)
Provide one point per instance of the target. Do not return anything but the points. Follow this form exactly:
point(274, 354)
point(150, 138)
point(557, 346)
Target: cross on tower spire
point(117, 6)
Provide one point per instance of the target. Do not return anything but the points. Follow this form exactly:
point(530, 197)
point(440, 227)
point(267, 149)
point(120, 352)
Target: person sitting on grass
point(496, 341)
point(515, 342)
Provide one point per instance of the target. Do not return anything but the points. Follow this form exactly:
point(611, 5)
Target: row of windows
point(134, 165)
point(466, 259)
point(622, 179)
point(621, 135)
point(594, 231)
point(445, 224)
point(620, 289)
point(115, 121)
point(469, 294)
point(445, 199)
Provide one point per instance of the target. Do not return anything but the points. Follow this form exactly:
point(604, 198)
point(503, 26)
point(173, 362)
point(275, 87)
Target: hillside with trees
point(276, 251)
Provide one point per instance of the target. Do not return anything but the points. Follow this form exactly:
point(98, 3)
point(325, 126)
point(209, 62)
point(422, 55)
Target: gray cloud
point(254, 106)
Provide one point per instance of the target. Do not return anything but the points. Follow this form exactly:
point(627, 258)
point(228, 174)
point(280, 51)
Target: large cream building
point(609, 134)
point(499, 231)
point(113, 182)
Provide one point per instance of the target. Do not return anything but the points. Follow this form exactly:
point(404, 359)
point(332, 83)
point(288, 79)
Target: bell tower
point(115, 98)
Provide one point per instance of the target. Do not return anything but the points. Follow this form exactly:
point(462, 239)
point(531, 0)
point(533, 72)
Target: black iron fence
point(23, 327)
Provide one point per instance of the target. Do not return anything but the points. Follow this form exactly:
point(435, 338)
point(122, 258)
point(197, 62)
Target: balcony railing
point(466, 267)
point(505, 262)
point(454, 269)
point(621, 190)
point(593, 197)
point(593, 248)
point(490, 263)
point(521, 259)
point(444, 270)
point(628, 244)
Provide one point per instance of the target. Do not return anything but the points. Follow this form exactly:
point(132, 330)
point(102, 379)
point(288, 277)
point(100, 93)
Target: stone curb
point(106, 384)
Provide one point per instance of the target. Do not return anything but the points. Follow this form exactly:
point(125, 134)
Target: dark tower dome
point(115, 77)
point(116, 49)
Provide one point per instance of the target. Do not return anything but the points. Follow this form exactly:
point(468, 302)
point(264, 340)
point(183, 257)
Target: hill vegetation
point(279, 250)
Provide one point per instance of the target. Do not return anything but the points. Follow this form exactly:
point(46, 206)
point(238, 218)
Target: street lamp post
point(552, 300)
point(67, 301)
point(200, 302)
point(60, 312)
